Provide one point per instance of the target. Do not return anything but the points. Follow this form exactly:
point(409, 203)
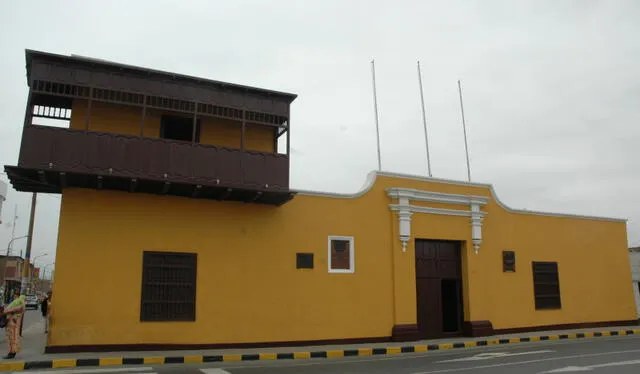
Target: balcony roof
point(54, 182)
point(30, 55)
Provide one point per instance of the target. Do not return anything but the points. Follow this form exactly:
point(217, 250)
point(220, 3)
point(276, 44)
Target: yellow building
point(178, 229)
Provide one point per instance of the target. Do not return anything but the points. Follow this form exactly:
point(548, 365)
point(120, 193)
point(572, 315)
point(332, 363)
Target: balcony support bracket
point(196, 191)
point(42, 176)
point(165, 188)
point(256, 197)
point(225, 195)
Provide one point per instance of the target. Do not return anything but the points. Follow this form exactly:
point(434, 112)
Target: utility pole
point(27, 257)
point(13, 228)
point(34, 267)
point(27, 261)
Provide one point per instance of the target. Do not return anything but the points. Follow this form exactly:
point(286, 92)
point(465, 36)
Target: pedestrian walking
point(44, 308)
point(14, 312)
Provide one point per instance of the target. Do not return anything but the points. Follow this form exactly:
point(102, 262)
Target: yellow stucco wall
point(248, 289)
point(122, 119)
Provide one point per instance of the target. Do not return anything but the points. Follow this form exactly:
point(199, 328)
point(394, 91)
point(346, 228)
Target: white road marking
point(527, 362)
point(567, 369)
point(493, 355)
point(408, 356)
point(214, 371)
point(589, 368)
point(144, 369)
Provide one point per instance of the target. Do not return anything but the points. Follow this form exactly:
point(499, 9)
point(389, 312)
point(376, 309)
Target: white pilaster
point(476, 226)
point(405, 210)
point(404, 218)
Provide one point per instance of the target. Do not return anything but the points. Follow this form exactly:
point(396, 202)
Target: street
point(32, 317)
point(607, 355)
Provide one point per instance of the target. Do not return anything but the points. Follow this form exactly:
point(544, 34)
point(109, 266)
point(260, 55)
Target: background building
point(634, 258)
point(11, 268)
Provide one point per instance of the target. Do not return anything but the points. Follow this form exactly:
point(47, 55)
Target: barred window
point(168, 286)
point(546, 285)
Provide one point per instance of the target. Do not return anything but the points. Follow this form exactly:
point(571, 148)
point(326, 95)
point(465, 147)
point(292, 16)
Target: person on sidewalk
point(44, 308)
point(14, 313)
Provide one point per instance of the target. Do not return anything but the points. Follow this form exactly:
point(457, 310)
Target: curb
point(391, 350)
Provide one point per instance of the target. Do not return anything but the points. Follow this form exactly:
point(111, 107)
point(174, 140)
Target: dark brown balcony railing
point(105, 154)
point(53, 159)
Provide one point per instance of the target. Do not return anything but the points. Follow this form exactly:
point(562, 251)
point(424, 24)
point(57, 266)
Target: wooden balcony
point(54, 158)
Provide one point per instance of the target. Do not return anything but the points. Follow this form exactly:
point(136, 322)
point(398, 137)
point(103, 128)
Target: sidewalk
point(34, 340)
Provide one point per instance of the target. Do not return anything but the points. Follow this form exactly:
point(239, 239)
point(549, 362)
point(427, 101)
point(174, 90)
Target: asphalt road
point(31, 317)
point(607, 355)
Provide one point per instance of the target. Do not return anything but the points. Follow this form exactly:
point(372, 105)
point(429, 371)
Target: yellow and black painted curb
point(159, 360)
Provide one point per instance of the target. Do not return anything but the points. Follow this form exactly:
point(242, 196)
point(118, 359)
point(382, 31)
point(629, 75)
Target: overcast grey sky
point(551, 88)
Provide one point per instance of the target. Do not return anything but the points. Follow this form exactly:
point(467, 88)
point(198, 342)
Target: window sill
point(341, 271)
point(546, 309)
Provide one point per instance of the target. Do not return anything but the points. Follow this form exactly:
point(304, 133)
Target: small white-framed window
point(340, 254)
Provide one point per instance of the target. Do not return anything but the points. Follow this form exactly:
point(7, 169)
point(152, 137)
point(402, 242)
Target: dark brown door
point(438, 288)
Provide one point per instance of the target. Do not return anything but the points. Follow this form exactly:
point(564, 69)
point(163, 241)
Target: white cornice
point(429, 210)
point(435, 197)
point(371, 178)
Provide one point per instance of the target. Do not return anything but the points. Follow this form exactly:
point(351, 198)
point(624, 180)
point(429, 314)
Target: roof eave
point(30, 54)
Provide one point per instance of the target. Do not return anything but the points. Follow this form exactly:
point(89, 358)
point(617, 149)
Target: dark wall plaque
point(508, 261)
point(304, 260)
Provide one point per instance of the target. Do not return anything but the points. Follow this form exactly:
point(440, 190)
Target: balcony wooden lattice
point(53, 158)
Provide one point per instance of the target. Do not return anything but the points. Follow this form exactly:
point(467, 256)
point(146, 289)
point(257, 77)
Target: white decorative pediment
point(405, 196)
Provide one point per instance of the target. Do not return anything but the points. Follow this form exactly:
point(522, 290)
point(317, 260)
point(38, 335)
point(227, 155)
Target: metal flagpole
point(375, 107)
point(464, 129)
point(424, 120)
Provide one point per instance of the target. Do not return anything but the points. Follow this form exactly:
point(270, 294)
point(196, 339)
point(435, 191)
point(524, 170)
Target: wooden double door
point(439, 288)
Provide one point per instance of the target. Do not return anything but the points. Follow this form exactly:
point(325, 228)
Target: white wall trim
point(404, 196)
point(371, 178)
point(429, 210)
point(352, 258)
point(369, 182)
point(436, 197)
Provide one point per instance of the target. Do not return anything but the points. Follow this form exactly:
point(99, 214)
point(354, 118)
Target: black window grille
point(168, 286)
point(546, 285)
